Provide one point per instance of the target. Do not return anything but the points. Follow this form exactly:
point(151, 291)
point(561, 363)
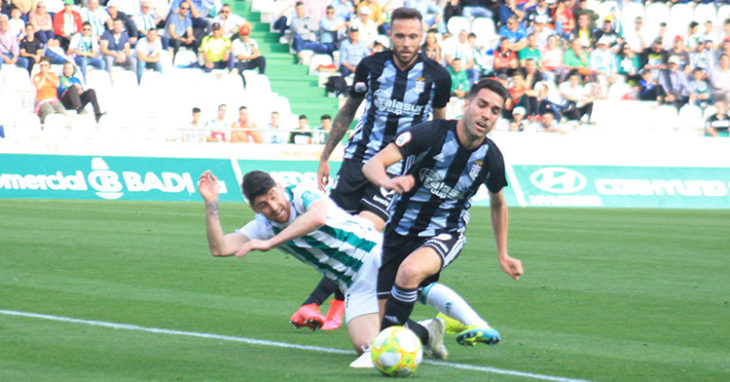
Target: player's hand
point(400, 184)
point(511, 266)
point(254, 245)
point(208, 186)
point(323, 174)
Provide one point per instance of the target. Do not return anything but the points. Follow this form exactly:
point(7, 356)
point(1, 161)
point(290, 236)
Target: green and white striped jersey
point(337, 249)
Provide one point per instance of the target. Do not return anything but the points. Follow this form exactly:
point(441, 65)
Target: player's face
point(405, 38)
point(481, 113)
point(273, 205)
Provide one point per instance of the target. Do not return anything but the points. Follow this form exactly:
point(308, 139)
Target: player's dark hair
point(255, 184)
point(196, 110)
point(489, 84)
point(404, 13)
point(242, 108)
point(325, 116)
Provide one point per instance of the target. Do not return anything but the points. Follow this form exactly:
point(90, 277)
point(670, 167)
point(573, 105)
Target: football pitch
point(126, 291)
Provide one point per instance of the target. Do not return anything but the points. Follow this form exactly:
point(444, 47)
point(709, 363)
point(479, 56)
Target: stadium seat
point(704, 12)
point(83, 127)
point(655, 13)
point(99, 80)
point(690, 120)
point(486, 32)
point(457, 24)
point(23, 127)
point(664, 119)
point(618, 91)
point(317, 60)
point(629, 14)
point(185, 58)
point(594, 5)
point(679, 18)
point(605, 9)
point(723, 13)
point(55, 127)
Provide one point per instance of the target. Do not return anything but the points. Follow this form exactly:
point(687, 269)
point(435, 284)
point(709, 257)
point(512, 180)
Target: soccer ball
point(396, 351)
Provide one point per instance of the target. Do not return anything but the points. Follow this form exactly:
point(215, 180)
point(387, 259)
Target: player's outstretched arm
point(342, 122)
point(218, 243)
point(313, 219)
point(500, 223)
point(374, 170)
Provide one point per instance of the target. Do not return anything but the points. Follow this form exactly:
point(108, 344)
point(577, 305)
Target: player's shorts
point(396, 248)
point(354, 193)
point(361, 297)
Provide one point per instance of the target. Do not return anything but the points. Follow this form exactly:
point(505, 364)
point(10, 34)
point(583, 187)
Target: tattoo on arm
point(341, 124)
point(211, 208)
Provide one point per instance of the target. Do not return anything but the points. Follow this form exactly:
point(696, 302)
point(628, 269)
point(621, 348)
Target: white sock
point(450, 303)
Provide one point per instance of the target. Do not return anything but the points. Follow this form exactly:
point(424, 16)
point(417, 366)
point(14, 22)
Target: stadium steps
point(286, 77)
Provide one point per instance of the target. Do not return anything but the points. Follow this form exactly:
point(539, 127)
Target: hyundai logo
point(558, 180)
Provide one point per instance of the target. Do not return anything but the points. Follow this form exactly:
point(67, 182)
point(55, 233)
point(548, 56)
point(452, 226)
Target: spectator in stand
point(330, 30)
point(664, 37)
point(700, 93)
point(692, 39)
point(344, 9)
point(352, 50)
point(149, 51)
point(710, 35)
point(510, 8)
point(325, 125)
point(180, 29)
point(16, 25)
point(582, 9)
point(304, 32)
point(459, 79)
point(542, 30)
point(9, 46)
point(128, 25)
point(533, 83)
point(603, 65)
point(84, 48)
point(219, 128)
point(217, 50)
point(459, 47)
point(483, 60)
point(637, 38)
point(552, 59)
point(505, 60)
point(531, 51)
point(244, 130)
point(720, 79)
point(609, 35)
point(472, 9)
point(55, 53)
point(96, 16)
point(195, 131)
point(72, 94)
point(303, 133)
point(316, 9)
point(678, 50)
point(577, 99)
point(66, 23)
point(42, 23)
point(703, 58)
point(46, 82)
point(431, 47)
point(548, 124)
point(718, 124)
point(563, 16)
point(229, 21)
point(518, 122)
point(583, 32)
point(247, 53)
point(147, 19)
point(374, 12)
point(515, 33)
point(274, 133)
point(539, 14)
point(576, 58)
point(649, 88)
point(367, 27)
point(116, 48)
point(725, 49)
point(674, 82)
point(431, 12)
point(286, 15)
point(654, 58)
point(198, 12)
point(30, 48)
point(629, 65)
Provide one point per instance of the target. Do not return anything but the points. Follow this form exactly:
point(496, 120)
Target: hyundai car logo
point(558, 180)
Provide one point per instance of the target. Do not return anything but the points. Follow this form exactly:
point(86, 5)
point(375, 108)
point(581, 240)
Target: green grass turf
point(609, 295)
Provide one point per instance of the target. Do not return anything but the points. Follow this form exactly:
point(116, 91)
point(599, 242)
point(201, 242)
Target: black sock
point(399, 306)
point(419, 329)
point(321, 292)
point(339, 295)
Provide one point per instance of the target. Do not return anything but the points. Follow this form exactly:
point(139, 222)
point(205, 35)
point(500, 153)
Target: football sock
point(419, 329)
point(321, 292)
point(399, 306)
point(339, 295)
point(450, 303)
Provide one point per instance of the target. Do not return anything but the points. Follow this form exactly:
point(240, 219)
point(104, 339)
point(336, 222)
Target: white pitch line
point(253, 341)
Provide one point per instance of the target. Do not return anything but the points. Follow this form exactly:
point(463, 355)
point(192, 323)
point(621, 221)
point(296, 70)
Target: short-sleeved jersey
point(337, 249)
point(396, 100)
point(447, 176)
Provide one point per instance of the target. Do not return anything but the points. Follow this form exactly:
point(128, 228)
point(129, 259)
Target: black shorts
point(396, 248)
point(354, 193)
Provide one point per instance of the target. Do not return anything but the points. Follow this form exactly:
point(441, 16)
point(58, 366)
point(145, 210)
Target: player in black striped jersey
point(445, 162)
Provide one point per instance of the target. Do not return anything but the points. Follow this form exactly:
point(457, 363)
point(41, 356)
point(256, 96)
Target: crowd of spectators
point(555, 56)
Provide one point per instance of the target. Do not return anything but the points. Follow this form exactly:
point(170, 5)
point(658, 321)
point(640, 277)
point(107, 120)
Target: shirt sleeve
point(418, 138)
point(360, 83)
point(257, 228)
point(443, 91)
point(305, 195)
point(496, 179)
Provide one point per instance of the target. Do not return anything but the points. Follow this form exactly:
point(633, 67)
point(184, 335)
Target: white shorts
point(361, 297)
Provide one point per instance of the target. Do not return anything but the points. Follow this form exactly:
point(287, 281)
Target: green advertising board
point(622, 186)
point(111, 178)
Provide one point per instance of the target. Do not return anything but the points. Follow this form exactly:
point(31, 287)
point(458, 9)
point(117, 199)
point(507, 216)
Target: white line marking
point(252, 341)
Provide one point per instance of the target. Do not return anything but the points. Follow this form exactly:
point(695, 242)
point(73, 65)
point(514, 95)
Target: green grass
point(609, 295)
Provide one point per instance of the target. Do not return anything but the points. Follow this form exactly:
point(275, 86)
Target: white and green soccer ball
point(396, 351)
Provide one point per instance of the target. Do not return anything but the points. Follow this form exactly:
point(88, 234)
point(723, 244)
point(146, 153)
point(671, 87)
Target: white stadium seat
point(654, 14)
point(690, 120)
point(723, 13)
point(704, 12)
point(456, 24)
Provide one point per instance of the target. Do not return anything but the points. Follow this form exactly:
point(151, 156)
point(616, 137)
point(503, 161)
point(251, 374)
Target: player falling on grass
point(306, 224)
point(402, 87)
point(446, 161)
